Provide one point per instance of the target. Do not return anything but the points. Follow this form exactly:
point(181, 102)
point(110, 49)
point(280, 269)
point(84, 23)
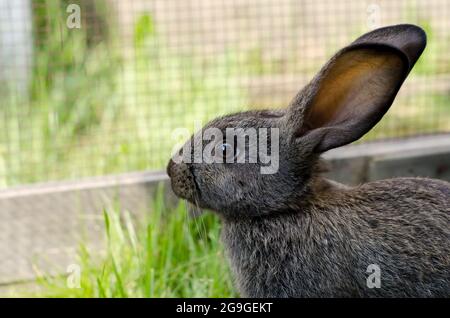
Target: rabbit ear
point(355, 88)
point(408, 38)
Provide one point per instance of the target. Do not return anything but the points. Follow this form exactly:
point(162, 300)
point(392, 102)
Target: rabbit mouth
point(196, 187)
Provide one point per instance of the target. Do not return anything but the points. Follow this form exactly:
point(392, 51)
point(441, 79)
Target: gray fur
point(296, 234)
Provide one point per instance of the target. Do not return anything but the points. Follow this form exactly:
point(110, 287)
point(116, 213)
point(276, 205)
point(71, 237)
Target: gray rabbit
point(293, 233)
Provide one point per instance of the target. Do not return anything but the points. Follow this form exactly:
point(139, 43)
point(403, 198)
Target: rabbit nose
point(170, 166)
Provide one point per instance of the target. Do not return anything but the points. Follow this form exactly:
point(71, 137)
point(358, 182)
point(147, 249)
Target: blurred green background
point(105, 98)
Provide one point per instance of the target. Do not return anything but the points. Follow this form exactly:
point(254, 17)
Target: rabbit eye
point(228, 153)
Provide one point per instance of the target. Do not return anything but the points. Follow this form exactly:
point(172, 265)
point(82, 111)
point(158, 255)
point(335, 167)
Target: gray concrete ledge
point(42, 225)
point(425, 156)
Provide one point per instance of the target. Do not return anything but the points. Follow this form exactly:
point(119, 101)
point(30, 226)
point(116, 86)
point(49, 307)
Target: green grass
point(168, 255)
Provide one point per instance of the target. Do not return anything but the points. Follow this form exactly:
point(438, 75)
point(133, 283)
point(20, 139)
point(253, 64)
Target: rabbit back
point(327, 247)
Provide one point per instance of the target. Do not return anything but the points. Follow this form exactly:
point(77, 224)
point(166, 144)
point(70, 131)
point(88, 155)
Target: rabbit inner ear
point(352, 93)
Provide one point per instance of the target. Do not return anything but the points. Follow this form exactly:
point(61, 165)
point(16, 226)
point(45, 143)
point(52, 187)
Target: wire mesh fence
point(94, 87)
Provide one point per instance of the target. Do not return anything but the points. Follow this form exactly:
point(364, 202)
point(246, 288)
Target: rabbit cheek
point(219, 191)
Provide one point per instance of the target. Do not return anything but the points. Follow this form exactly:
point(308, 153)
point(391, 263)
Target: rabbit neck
point(261, 249)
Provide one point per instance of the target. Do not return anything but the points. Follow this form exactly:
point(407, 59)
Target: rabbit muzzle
point(182, 180)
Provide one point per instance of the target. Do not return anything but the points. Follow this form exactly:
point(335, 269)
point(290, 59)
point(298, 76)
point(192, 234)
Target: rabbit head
point(270, 172)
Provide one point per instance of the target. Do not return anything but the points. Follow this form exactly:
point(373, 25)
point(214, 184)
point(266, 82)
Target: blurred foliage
point(167, 255)
point(92, 111)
